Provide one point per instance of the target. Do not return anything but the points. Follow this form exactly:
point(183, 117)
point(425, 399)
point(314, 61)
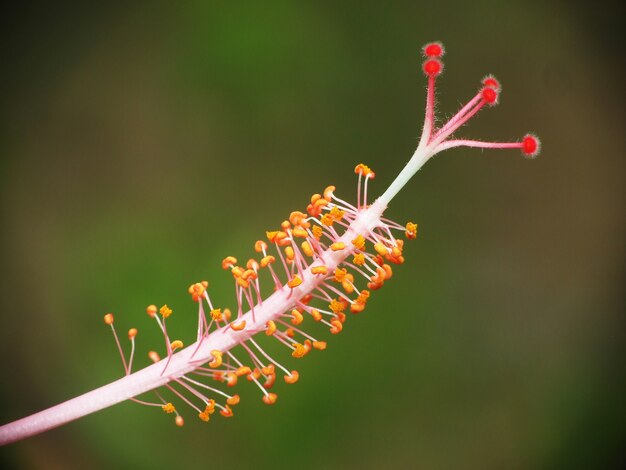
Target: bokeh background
point(141, 143)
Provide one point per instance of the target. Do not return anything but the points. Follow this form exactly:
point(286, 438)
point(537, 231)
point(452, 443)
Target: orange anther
point(196, 290)
point(226, 314)
point(411, 230)
point(294, 282)
point(315, 197)
point(269, 381)
point(151, 310)
point(337, 246)
point(363, 296)
point(132, 333)
point(234, 400)
point(229, 262)
point(299, 350)
point(176, 344)
point(364, 170)
point(308, 345)
point(249, 274)
point(293, 377)
point(285, 225)
point(289, 332)
point(317, 231)
point(108, 319)
point(328, 192)
point(336, 306)
point(217, 359)
point(357, 307)
point(238, 327)
point(216, 314)
point(299, 232)
point(226, 412)
point(260, 246)
point(306, 299)
point(165, 311)
point(269, 369)
point(231, 379)
point(154, 356)
point(359, 242)
point(255, 374)
point(252, 264)
point(168, 408)
point(317, 316)
point(204, 416)
point(180, 422)
point(323, 270)
point(388, 271)
point(336, 327)
point(242, 282)
point(306, 248)
point(289, 253)
point(297, 317)
point(270, 398)
point(381, 249)
point(270, 328)
point(341, 317)
point(269, 259)
point(340, 274)
point(319, 345)
point(243, 370)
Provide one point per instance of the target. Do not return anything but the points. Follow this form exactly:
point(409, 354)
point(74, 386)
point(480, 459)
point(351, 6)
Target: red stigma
point(491, 82)
point(433, 49)
point(490, 95)
point(530, 145)
point(432, 67)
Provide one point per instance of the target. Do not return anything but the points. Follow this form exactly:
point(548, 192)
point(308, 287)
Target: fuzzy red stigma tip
point(432, 67)
point(531, 146)
point(492, 82)
point(490, 95)
point(433, 49)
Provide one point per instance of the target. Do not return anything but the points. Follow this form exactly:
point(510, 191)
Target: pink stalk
point(305, 282)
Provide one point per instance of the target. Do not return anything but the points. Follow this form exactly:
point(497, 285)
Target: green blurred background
point(142, 143)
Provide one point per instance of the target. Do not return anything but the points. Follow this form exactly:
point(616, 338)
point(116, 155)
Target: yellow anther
point(337, 214)
point(165, 311)
point(381, 249)
point(132, 333)
point(108, 319)
point(271, 235)
point(217, 359)
point(234, 400)
point(242, 282)
point(270, 328)
point(180, 422)
point(319, 345)
point(317, 316)
point(243, 370)
point(327, 220)
point(359, 259)
point(260, 246)
point(359, 242)
point(151, 310)
point(168, 408)
point(317, 231)
point(229, 262)
point(340, 274)
point(226, 412)
point(231, 379)
point(328, 193)
point(154, 356)
point(294, 282)
point(239, 326)
point(297, 317)
point(270, 398)
point(337, 246)
point(299, 232)
point(411, 230)
point(306, 248)
point(237, 271)
point(216, 314)
point(269, 259)
point(323, 270)
point(289, 253)
point(285, 225)
point(293, 377)
point(299, 350)
point(249, 274)
point(336, 327)
point(176, 344)
point(336, 306)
